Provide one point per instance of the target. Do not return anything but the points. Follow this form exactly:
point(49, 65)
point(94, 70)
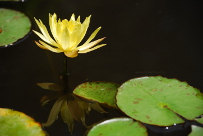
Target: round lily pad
point(14, 25)
point(158, 100)
point(102, 92)
point(118, 127)
point(196, 131)
point(14, 123)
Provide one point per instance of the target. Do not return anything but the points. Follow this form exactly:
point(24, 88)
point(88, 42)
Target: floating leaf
point(118, 127)
point(102, 92)
point(196, 131)
point(14, 25)
point(200, 120)
point(14, 123)
point(158, 100)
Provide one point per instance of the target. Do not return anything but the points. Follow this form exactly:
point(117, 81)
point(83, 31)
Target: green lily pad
point(118, 127)
point(158, 100)
point(14, 123)
point(196, 131)
point(102, 92)
point(200, 120)
point(14, 25)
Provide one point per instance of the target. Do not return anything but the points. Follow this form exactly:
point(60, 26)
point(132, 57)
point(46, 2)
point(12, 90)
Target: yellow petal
point(91, 37)
point(51, 48)
point(78, 19)
point(75, 36)
point(53, 24)
point(83, 29)
point(88, 50)
point(65, 40)
point(42, 36)
point(41, 46)
point(79, 32)
point(72, 54)
point(45, 33)
point(72, 17)
point(89, 45)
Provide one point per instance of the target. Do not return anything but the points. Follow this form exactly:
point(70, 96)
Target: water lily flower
point(67, 35)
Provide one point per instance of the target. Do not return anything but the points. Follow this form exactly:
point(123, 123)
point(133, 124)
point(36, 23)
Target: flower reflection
point(70, 106)
point(67, 35)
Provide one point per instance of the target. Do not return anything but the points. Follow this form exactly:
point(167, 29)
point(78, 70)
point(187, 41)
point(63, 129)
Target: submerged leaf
point(118, 127)
point(102, 92)
point(196, 131)
point(54, 112)
point(51, 86)
point(158, 100)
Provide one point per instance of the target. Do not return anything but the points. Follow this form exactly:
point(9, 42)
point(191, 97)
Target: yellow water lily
point(67, 35)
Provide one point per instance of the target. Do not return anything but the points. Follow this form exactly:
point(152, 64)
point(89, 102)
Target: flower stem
point(65, 74)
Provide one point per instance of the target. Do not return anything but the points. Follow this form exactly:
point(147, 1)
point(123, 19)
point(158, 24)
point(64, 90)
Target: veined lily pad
point(196, 131)
point(14, 123)
point(102, 92)
point(118, 127)
point(14, 25)
point(158, 100)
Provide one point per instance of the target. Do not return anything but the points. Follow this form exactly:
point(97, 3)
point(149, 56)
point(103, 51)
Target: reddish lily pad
point(196, 131)
point(14, 123)
point(158, 100)
point(102, 92)
point(14, 25)
point(118, 127)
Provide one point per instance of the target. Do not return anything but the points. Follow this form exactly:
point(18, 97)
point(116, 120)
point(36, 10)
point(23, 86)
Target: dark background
point(144, 37)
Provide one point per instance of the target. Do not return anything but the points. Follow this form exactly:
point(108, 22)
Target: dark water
point(144, 37)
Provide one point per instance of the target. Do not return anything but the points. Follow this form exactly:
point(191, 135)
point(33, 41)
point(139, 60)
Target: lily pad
point(200, 120)
point(102, 92)
point(14, 25)
point(14, 123)
point(158, 100)
point(196, 131)
point(118, 127)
